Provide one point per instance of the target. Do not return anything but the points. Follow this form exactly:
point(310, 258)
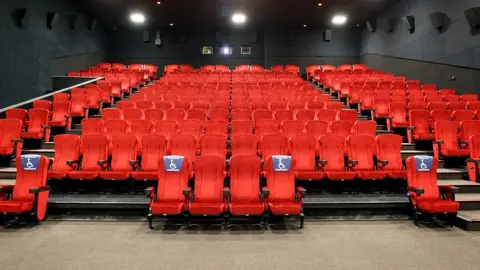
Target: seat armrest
point(39, 189)
point(17, 140)
point(438, 142)
point(449, 189)
point(71, 162)
point(383, 162)
point(133, 163)
point(45, 127)
point(149, 192)
point(323, 162)
point(67, 116)
point(353, 162)
point(302, 192)
point(102, 163)
point(265, 191)
point(417, 191)
point(474, 160)
point(411, 128)
point(7, 188)
point(226, 192)
point(187, 191)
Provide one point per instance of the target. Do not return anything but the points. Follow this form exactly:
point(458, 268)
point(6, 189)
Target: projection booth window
point(246, 49)
point(207, 50)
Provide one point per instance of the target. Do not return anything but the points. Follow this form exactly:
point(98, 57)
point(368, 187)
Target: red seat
point(446, 140)
point(283, 115)
point(440, 116)
point(437, 106)
point(92, 126)
point(262, 114)
point(245, 197)
point(241, 115)
point(154, 147)
point(213, 144)
point(170, 97)
point(296, 105)
point(424, 193)
point(450, 98)
point(244, 144)
point(366, 98)
point(153, 115)
point(111, 114)
point(258, 105)
point(42, 104)
point(273, 144)
point(144, 104)
point(469, 97)
point(462, 115)
point(316, 105)
point(140, 128)
point(456, 105)
point(184, 145)
point(208, 198)
point(218, 127)
point(37, 125)
point(419, 129)
point(303, 151)
point(10, 143)
point(365, 128)
point(17, 113)
point(316, 128)
point(417, 105)
point(239, 105)
point(473, 105)
point(360, 157)
point(397, 115)
point(163, 105)
point(182, 104)
point(197, 114)
point(292, 127)
point(175, 115)
point(124, 158)
point(92, 98)
point(115, 127)
point(222, 115)
point(194, 127)
point(30, 192)
point(241, 127)
point(341, 127)
point(388, 147)
point(347, 115)
point(264, 127)
point(201, 104)
point(125, 104)
point(61, 97)
point(282, 197)
point(66, 159)
point(468, 128)
point(95, 153)
point(131, 114)
point(172, 194)
point(380, 109)
point(305, 115)
point(326, 115)
point(220, 105)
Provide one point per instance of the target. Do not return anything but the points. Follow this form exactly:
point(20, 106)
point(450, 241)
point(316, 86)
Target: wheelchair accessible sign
point(423, 163)
point(281, 163)
point(30, 162)
point(172, 163)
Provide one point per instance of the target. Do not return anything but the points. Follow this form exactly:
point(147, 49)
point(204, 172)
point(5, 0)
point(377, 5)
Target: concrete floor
point(321, 245)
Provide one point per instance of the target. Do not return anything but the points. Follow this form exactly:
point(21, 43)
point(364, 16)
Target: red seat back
point(123, 151)
point(365, 128)
point(37, 118)
point(469, 128)
point(274, 144)
point(171, 183)
point(125, 104)
point(245, 178)
point(440, 116)
point(419, 120)
point(446, 131)
point(241, 114)
point(302, 149)
point(219, 127)
point(130, 114)
point(331, 149)
point(341, 127)
point(326, 115)
point(280, 183)
point(388, 148)
point(17, 113)
point(316, 128)
point(462, 115)
point(292, 127)
point(198, 114)
point(183, 145)
point(347, 115)
point(220, 114)
point(426, 180)
point(9, 129)
point(67, 147)
point(244, 144)
point(154, 147)
point(42, 104)
point(115, 127)
point(153, 115)
point(262, 114)
point(95, 148)
point(194, 127)
point(264, 127)
point(213, 144)
point(360, 148)
point(163, 105)
point(166, 128)
point(209, 179)
point(175, 114)
point(111, 114)
point(61, 97)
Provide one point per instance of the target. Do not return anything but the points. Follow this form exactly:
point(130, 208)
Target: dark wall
point(438, 54)
point(31, 55)
point(272, 47)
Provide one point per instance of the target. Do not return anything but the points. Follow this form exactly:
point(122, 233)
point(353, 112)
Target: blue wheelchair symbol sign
point(281, 163)
point(30, 162)
point(173, 163)
point(423, 163)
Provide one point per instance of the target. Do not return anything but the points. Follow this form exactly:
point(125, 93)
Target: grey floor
point(321, 245)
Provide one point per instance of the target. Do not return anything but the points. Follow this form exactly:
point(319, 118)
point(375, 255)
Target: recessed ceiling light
point(320, 4)
point(358, 25)
point(339, 19)
point(304, 25)
point(239, 18)
point(137, 18)
point(171, 24)
point(158, 2)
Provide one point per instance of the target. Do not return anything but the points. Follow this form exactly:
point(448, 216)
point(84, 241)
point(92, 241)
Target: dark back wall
point(31, 55)
point(305, 47)
point(438, 55)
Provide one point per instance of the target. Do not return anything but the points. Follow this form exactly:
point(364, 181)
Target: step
point(45, 152)
point(380, 132)
point(47, 145)
point(409, 153)
point(7, 182)
point(8, 173)
point(468, 201)
point(77, 126)
point(74, 132)
point(464, 186)
point(408, 146)
point(469, 220)
point(451, 174)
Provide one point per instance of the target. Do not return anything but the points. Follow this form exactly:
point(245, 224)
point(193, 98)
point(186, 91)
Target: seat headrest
point(30, 162)
point(281, 163)
point(423, 163)
point(173, 163)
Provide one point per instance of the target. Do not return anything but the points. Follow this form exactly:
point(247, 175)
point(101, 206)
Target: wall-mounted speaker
point(371, 26)
point(146, 36)
point(436, 18)
point(182, 37)
point(390, 23)
point(410, 22)
point(20, 17)
point(73, 21)
point(93, 24)
point(158, 39)
point(291, 34)
point(327, 35)
point(473, 18)
point(53, 19)
point(254, 37)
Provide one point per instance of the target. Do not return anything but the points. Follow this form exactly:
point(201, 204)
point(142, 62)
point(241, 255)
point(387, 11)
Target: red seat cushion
point(423, 136)
point(371, 174)
point(204, 208)
point(400, 124)
point(285, 208)
point(57, 175)
point(340, 175)
point(165, 208)
point(57, 123)
point(309, 175)
point(145, 175)
point(456, 152)
point(247, 208)
point(439, 206)
point(32, 135)
point(84, 175)
point(397, 174)
point(115, 175)
point(15, 206)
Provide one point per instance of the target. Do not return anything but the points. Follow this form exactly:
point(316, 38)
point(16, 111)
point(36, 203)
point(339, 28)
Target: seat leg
point(302, 218)
point(186, 221)
point(265, 217)
point(226, 221)
point(2, 219)
point(451, 218)
point(149, 218)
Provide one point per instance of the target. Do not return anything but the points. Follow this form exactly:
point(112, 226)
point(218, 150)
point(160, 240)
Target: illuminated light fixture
point(304, 25)
point(319, 4)
point(137, 18)
point(339, 19)
point(171, 24)
point(158, 2)
point(226, 50)
point(239, 18)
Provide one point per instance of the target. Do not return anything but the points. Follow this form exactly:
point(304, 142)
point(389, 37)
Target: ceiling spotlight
point(239, 18)
point(358, 25)
point(158, 2)
point(304, 25)
point(339, 19)
point(171, 24)
point(319, 4)
point(137, 18)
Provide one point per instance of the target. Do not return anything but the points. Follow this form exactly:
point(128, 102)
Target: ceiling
point(260, 13)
